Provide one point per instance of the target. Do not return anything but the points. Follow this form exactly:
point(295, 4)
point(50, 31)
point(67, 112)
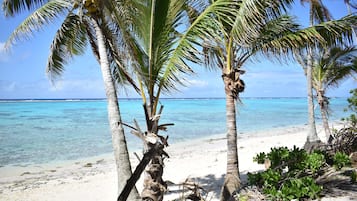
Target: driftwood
point(343, 140)
point(136, 175)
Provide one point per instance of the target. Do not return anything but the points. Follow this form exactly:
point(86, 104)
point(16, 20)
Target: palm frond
point(125, 23)
point(334, 66)
point(69, 40)
point(12, 7)
point(203, 28)
point(253, 14)
point(328, 33)
point(318, 12)
point(337, 32)
point(43, 16)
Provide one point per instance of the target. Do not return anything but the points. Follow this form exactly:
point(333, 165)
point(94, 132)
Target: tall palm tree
point(318, 13)
point(84, 22)
point(330, 68)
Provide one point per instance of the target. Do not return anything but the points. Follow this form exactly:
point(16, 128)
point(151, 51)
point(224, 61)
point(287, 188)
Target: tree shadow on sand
point(208, 186)
point(338, 184)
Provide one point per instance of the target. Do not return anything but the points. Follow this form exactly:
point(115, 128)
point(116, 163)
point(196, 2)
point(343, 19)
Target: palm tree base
point(310, 146)
point(230, 186)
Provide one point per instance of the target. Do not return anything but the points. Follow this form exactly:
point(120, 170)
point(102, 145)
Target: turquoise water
point(33, 132)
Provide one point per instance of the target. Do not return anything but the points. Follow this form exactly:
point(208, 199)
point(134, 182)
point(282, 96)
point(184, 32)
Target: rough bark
point(118, 138)
point(154, 185)
point(322, 101)
point(232, 180)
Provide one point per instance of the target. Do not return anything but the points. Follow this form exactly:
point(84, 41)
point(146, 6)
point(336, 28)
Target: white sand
point(92, 179)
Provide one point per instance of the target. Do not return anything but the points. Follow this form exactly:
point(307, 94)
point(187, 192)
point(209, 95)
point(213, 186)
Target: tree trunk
point(232, 180)
point(154, 185)
point(323, 108)
point(118, 138)
point(312, 137)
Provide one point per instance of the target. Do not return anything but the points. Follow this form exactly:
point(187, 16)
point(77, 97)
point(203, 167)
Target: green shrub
point(293, 172)
point(314, 161)
point(354, 176)
point(288, 176)
point(341, 160)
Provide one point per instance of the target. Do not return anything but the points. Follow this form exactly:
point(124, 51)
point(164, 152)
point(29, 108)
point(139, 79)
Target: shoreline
point(201, 160)
point(4, 169)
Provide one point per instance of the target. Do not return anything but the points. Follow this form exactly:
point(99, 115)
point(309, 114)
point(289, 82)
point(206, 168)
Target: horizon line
point(165, 98)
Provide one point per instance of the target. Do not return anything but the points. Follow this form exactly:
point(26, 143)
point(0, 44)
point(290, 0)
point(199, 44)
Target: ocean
point(46, 131)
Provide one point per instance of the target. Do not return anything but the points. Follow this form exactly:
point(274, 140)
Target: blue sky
point(22, 70)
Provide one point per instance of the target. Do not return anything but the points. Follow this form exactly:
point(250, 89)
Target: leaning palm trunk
point(118, 138)
point(323, 108)
point(233, 85)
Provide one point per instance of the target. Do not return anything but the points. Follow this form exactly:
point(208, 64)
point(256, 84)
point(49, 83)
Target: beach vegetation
point(341, 160)
point(83, 23)
point(352, 106)
point(294, 173)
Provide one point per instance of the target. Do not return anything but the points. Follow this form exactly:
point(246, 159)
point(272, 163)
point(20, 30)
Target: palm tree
point(162, 52)
point(329, 70)
point(318, 13)
point(85, 22)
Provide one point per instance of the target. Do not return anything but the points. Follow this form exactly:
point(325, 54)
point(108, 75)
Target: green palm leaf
point(12, 7)
point(45, 15)
point(69, 40)
point(203, 28)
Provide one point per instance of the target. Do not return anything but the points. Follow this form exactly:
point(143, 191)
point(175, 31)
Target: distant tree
point(352, 106)
point(317, 13)
point(331, 67)
point(84, 22)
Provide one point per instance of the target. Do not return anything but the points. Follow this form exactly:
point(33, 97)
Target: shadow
point(209, 186)
point(339, 184)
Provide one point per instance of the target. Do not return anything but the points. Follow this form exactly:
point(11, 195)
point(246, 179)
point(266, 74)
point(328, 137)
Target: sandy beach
point(201, 160)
